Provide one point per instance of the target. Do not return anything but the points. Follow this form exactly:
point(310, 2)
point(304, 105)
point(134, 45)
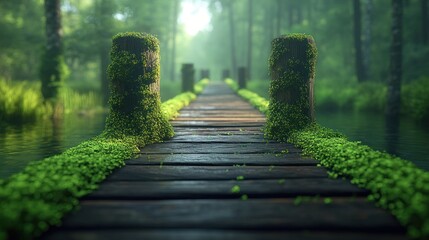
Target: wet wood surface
point(218, 178)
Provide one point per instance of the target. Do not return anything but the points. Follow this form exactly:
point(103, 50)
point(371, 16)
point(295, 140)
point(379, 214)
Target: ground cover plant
point(395, 184)
point(40, 195)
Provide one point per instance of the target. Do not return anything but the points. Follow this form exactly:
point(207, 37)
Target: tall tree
point(53, 68)
point(367, 38)
point(173, 50)
point(250, 43)
point(425, 21)
point(279, 17)
point(104, 11)
point(394, 83)
point(230, 7)
point(357, 16)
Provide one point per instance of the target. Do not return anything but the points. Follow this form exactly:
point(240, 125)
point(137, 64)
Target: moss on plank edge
point(396, 185)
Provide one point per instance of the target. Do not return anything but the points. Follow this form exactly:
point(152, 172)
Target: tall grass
point(23, 101)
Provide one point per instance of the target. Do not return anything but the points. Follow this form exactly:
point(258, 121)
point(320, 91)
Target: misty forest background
point(353, 39)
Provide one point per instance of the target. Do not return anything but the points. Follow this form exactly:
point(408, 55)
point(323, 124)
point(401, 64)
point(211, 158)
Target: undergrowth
point(40, 195)
point(395, 184)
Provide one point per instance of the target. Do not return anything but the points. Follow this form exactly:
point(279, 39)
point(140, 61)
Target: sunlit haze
point(194, 16)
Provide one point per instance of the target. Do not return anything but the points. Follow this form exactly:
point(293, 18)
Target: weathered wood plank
point(270, 214)
point(228, 148)
point(222, 189)
point(163, 173)
point(198, 234)
point(220, 139)
point(215, 124)
point(222, 119)
point(291, 159)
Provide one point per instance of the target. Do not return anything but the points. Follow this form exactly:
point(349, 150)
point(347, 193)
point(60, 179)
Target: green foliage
point(45, 190)
point(23, 102)
point(396, 185)
point(199, 87)
point(292, 66)
point(134, 73)
point(40, 195)
point(415, 99)
point(254, 99)
point(53, 72)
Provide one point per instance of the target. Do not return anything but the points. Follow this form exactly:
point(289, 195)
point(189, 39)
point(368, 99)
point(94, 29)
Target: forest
point(352, 37)
point(326, 101)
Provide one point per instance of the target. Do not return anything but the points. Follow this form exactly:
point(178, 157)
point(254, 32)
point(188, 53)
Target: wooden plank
point(219, 139)
point(215, 124)
point(164, 173)
point(227, 148)
point(221, 189)
point(198, 234)
point(222, 119)
point(291, 159)
point(269, 214)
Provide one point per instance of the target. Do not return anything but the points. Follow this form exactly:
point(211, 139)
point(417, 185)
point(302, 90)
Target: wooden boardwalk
point(187, 187)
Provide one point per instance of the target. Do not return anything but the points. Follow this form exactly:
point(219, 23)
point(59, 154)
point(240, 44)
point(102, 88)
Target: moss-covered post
point(292, 70)
point(225, 74)
point(242, 77)
point(188, 77)
point(134, 75)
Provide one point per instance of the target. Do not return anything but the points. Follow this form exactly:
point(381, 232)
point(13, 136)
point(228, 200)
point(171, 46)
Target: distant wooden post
point(188, 77)
point(242, 77)
point(134, 74)
point(204, 73)
point(292, 70)
point(226, 74)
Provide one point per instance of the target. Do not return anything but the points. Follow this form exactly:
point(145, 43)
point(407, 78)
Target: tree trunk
point(173, 55)
point(394, 84)
point(52, 63)
point(279, 18)
point(232, 39)
point(290, 15)
point(358, 41)
point(250, 35)
point(425, 19)
point(367, 38)
point(104, 63)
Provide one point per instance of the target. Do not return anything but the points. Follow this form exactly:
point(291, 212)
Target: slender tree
point(367, 38)
point(104, 10)
point(53, 68)
point(357, 15)
point(394, 83)
point(425, 21)
point(250, 45)
point(279, 17)
point(232, 38)
point(173, 51)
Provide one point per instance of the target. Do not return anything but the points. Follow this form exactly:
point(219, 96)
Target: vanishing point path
point(194, 186)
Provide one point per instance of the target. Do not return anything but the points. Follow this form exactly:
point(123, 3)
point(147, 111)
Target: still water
point(410, 142)
point(21, 144)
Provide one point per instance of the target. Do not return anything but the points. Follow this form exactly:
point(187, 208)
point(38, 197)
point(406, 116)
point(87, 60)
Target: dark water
point(31, 142)
point(21, 144)
point(410, 141)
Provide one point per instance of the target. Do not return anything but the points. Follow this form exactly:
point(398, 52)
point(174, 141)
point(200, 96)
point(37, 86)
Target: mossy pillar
point(134, 75)
point(226, 74)
point(205, 73)
point(292, 71)
point(242, 77)
point(188, 77)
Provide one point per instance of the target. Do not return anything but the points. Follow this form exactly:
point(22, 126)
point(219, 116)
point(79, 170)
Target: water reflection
point(405, 138)
point(20, 144)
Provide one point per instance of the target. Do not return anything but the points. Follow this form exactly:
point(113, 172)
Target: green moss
point(395, 184)
point(135, 107)
point(254, 99)
point(292, 67)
